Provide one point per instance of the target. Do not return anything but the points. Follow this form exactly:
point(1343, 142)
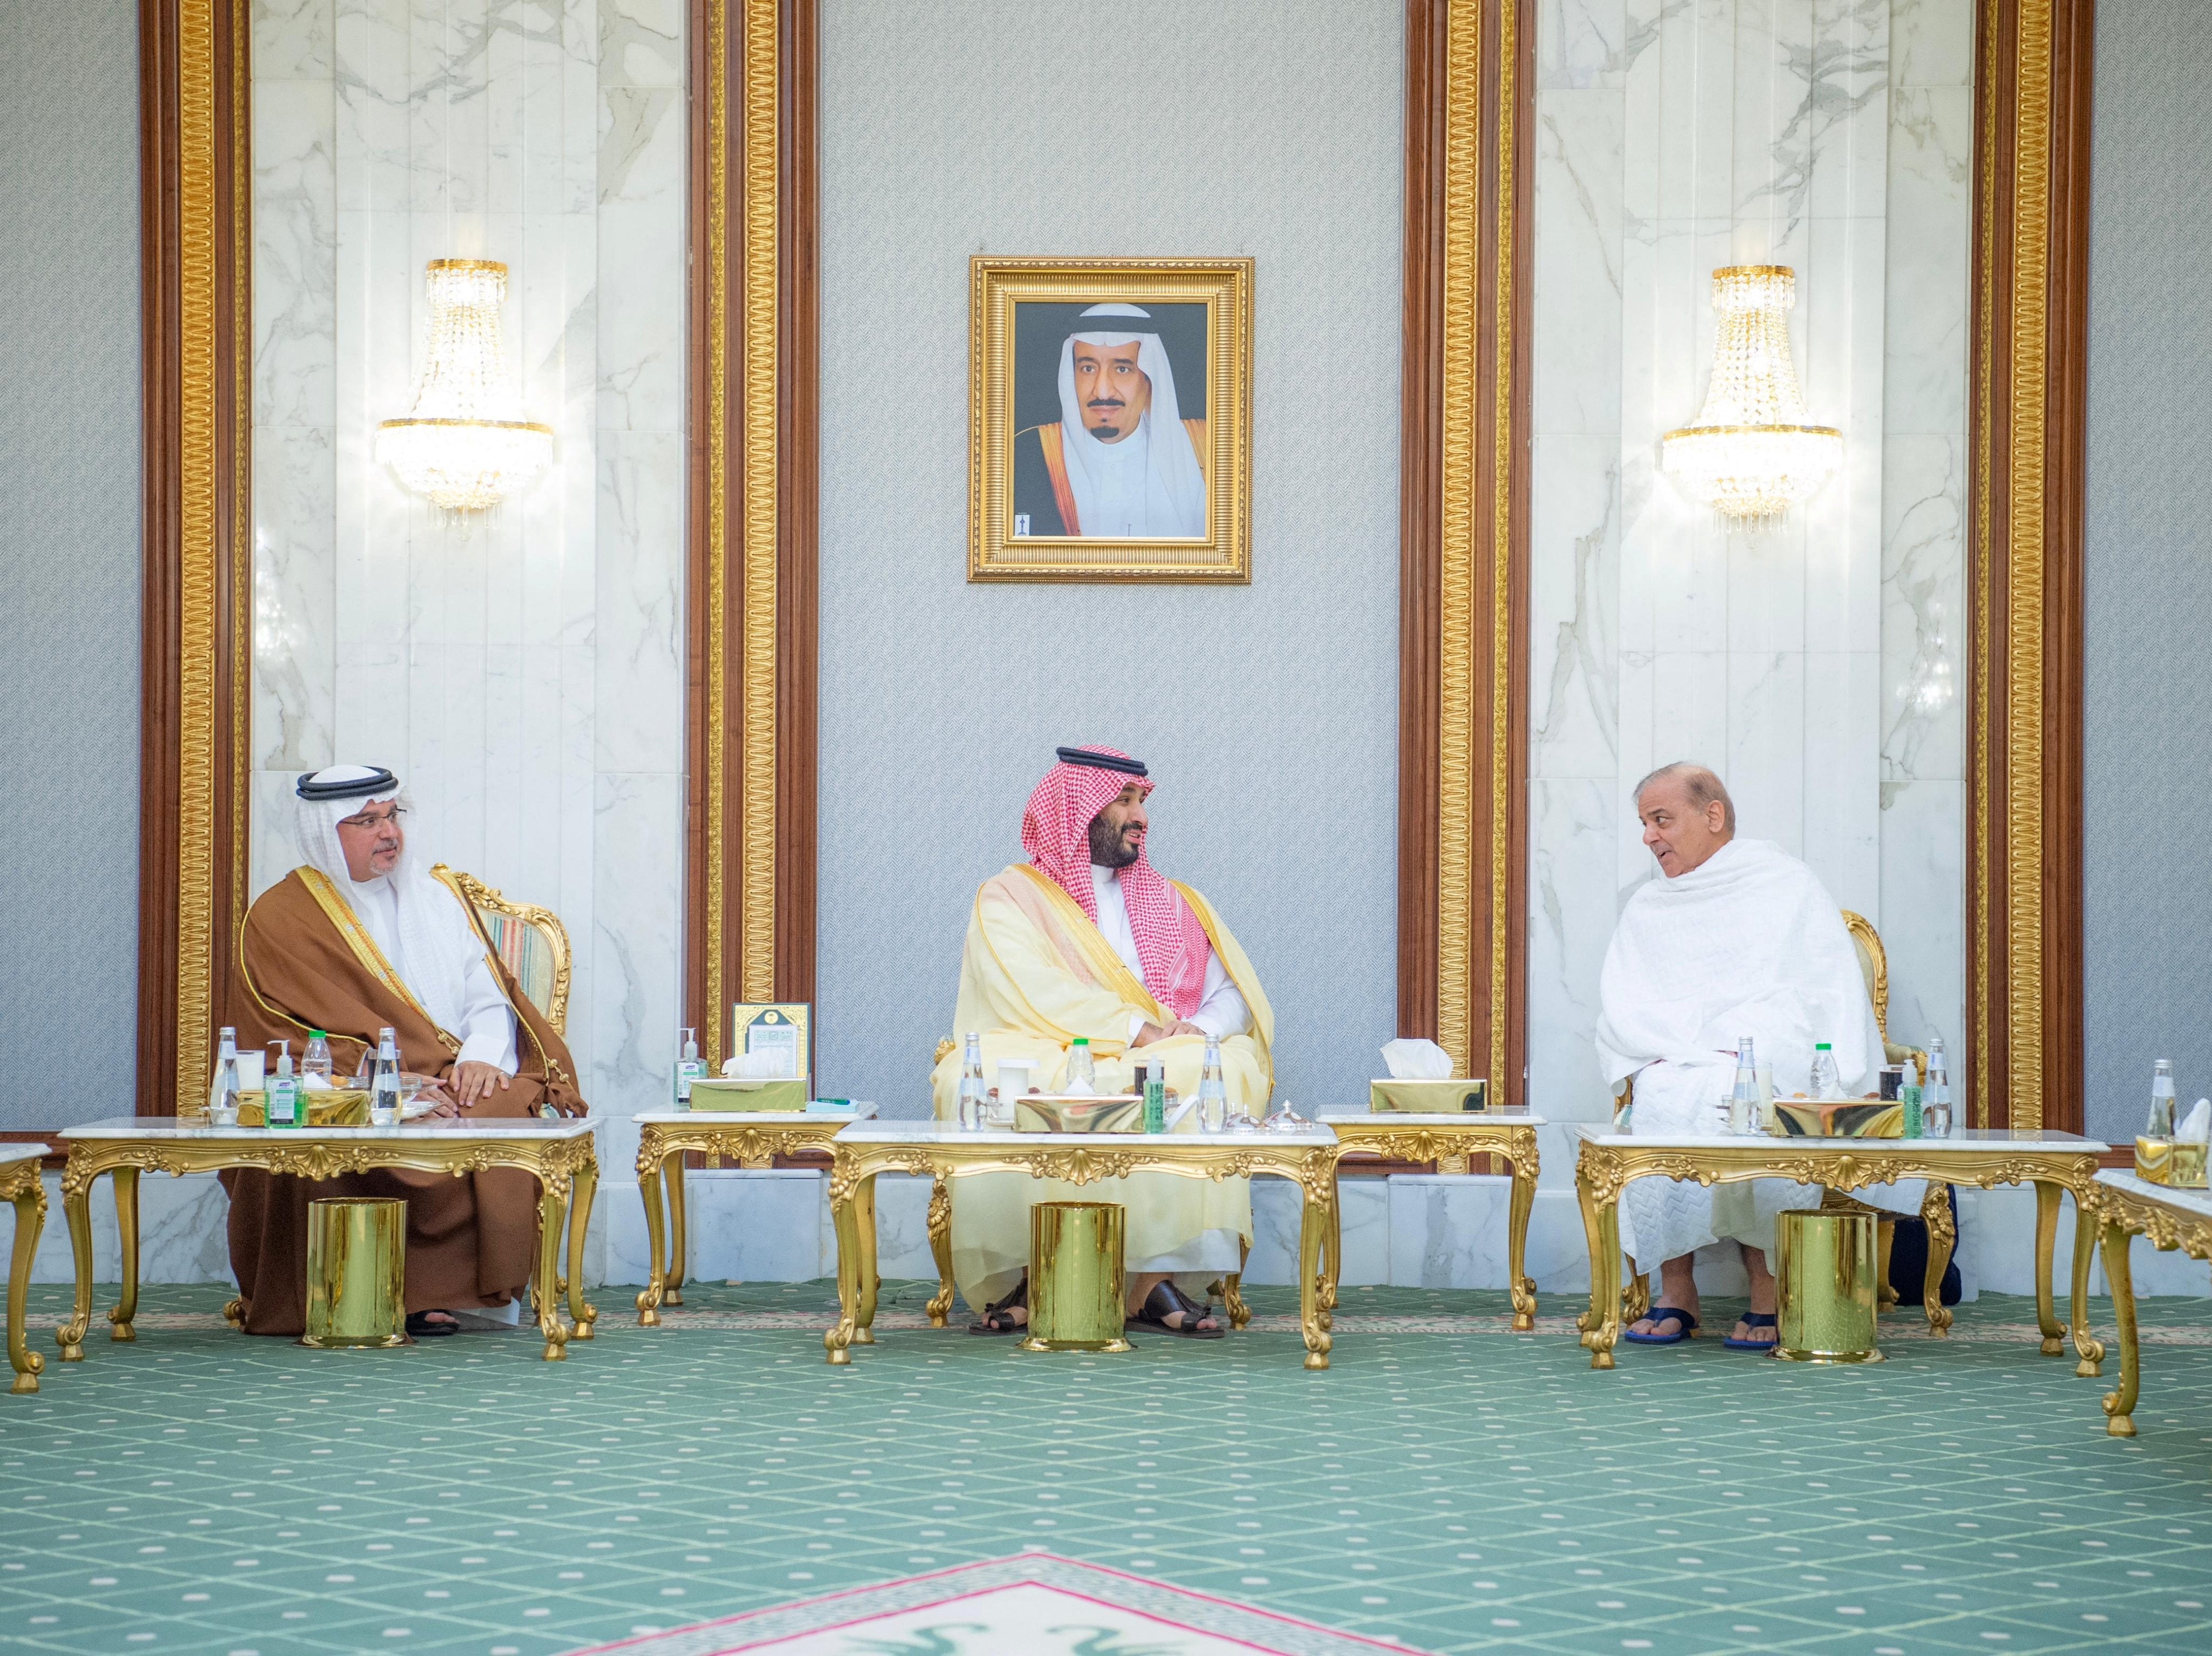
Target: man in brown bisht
point(363, 937)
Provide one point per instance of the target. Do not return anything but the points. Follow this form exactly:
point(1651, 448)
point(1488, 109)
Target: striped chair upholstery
point(531, 941)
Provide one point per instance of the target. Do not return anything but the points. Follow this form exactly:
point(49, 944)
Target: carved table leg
point(552, 1213)
point(2120, 1405)
point(1594, 1317)
point(656, 1234)
point(126, 1224)
point(1516, 1244)
point(1942, 1237)
point(2086, 1346)
point(76, 1207)
point(30, 1199)
point(1318, 1219)
point(864, 1330)
point(1332, 1257)
point(233, 1312)
point(844, 1217)
point(584, 1313)
point(940, 1248)
point(2046, 1248)
point(1232, 1288)
point(1884, 1297)
point(678, 1255)
point(1607, 1273)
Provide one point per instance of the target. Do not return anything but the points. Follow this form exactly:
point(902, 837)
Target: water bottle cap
point(1822, 1046)
point(1083, 1040)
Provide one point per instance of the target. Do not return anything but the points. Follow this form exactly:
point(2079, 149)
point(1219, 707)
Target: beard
point(1108, 848)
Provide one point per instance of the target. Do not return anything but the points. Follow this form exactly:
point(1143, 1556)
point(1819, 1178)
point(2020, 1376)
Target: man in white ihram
point(1735, 938)
point(1121, 462)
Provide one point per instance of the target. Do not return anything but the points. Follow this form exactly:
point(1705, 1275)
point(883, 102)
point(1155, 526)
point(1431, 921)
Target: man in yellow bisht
point(1088, 940)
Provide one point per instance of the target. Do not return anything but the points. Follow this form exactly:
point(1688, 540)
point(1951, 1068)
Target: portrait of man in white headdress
point(1122, 462)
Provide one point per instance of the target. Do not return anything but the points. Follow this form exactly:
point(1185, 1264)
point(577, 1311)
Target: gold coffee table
point(2128, 1207)
point(866, 1149)
point(2055, 1163)
point(750, 1139)
point(1449, 1141)
point(557, 1153)
point(19, 1183)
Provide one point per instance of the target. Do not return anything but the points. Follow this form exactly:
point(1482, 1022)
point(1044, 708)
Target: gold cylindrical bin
point(356, 1274)
point(1075, 1277)
point(1828, 1277)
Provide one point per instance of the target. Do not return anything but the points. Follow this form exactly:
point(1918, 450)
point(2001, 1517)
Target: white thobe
point(1221, 1012)
point(1749, 942)
point(486, 1022)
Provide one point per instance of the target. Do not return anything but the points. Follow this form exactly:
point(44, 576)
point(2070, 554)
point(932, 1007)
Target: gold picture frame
point(1020, 492)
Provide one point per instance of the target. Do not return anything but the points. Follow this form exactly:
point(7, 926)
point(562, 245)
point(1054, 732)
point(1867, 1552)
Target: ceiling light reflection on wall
point(466, 445)
point(1751, 456)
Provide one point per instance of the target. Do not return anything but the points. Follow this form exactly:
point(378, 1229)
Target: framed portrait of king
point(1110, 419)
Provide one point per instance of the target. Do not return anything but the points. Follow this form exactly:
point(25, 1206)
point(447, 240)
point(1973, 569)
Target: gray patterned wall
point(2148, 740)
point(1268, 713)
point(69, 557)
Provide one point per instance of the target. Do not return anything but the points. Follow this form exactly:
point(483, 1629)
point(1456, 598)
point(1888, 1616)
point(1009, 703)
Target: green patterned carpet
point(1446, 1486)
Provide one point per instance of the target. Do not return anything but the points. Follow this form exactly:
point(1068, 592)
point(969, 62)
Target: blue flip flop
point(1685, 1326)
point(1753, 1319)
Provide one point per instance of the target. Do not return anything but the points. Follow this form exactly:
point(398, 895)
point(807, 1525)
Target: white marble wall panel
point(1813, 665)
point(522, 668)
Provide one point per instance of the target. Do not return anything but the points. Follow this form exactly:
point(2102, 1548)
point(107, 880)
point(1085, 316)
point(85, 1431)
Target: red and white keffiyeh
point(1056, 833)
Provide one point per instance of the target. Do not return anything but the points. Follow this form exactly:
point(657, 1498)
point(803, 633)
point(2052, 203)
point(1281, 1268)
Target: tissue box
point(1840, 1118)
point(2163, 1161)
point(1043, 1113)
point(1458, 1097)
point(732, 1093)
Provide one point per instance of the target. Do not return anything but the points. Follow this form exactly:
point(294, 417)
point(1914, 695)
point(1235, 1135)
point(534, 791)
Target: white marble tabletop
point(2166, 1196)
point(863, 1111)
point(1962, 1139)
point(924, 1132)
point(165, 1128)
point(11, 1154)
point(1443, 1118)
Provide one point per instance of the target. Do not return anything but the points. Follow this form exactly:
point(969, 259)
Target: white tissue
point(1417, 1061)
point(769, 1065)
point(2197, 1129)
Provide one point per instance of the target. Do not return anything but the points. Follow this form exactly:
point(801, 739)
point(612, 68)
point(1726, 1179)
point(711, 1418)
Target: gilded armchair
point(532, 942)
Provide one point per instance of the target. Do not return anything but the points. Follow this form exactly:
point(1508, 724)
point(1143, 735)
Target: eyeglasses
point(375, 819)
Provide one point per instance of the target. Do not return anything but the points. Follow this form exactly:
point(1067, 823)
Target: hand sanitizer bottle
point(1212, 1095)
point(222, 1109)
point(2162, 1100)
point(384, 1090)
point(689, 1068)
point(281, 1102)
point(973, 1094)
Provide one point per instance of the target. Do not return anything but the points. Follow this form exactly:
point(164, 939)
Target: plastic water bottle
point(1212, 1095)
point(1936, 1107)
point(972, 1092)
point(1825, 1084)
point(316, 1062)
point(384, 1090)
point(1082, 1070)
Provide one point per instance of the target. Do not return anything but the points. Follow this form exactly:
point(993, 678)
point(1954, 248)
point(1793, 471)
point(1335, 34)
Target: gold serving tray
point(1043, 1113)
point(1839, 1119)
point(337, 1106)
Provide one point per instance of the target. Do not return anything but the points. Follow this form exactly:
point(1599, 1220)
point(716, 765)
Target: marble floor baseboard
point(1406, 1231)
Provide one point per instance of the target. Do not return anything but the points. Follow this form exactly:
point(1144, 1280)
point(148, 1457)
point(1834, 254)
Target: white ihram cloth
point(1749, 942)
point(418, 922)
point(1221, 1014)
point(1149, 483)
